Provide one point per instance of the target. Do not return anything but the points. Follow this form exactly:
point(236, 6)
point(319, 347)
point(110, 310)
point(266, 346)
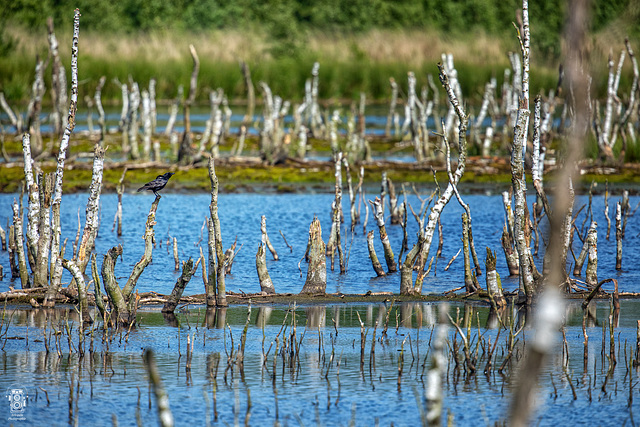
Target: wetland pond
point(303, 364)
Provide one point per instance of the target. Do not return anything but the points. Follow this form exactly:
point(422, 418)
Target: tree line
point(287, 19)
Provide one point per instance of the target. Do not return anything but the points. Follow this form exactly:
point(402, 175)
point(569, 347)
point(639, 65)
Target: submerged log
point(316, 282)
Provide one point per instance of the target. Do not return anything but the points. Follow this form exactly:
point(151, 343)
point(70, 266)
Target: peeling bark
point(221, 297)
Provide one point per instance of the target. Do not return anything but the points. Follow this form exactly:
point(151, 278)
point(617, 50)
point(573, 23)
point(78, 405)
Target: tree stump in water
point(316, 282)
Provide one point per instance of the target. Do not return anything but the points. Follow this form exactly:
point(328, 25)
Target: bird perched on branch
point(157, 184)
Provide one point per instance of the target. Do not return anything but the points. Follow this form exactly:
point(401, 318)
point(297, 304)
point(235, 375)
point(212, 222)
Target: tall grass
point(349, 63)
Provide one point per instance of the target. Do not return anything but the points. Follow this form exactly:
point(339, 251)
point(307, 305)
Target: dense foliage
point(288, 18)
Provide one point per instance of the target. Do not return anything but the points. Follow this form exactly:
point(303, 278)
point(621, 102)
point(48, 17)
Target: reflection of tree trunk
point(264, 314)
point(406, 313)
point(170, 319)
point(221, 317)
point(316, 316)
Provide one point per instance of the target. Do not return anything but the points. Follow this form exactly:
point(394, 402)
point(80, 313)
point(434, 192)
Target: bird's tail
point(141, 188)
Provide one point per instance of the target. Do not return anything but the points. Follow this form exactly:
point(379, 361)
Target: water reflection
point(319, 373)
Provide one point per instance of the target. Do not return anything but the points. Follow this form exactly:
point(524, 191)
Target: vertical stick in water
point(165, 417)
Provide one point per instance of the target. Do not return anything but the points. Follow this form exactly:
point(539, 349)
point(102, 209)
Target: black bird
point(157, 184)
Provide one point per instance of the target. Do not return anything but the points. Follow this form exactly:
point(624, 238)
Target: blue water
point(112, 379)
point(182, 216)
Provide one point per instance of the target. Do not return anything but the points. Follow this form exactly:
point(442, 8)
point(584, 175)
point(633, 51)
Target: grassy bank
point(349, 64)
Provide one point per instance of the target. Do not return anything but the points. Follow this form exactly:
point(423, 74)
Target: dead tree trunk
point(93, 205)
point(618, 236)
point(591, 274)
point(221, 295)
point(33, 211)
point(265, 238)
point(73, 268)
point(266, 285)
point(56, 258)
point(374, 257)
point(22, 262)
point(211, 283)
point(470, 280)
point(494, 285)
point(41, 272)
point(316, 282)
point(188, 269)
point(434, 215)
point(334, 242)
point(378, 214)
point(123, 301)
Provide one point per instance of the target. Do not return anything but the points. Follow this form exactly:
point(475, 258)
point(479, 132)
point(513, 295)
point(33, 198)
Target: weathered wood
point(378, 214)
point(90, 231)
point(266, 284)
point(470, 280)
point(56, 257)
point(373, 256)
point(618, 236)
point(41, 271)
point(265, 238)
point(33, 199)
point(591, 274)
point(494, 284)
point(434, 214)
point(188, 270)
point(316, 282)
point(19, 244)
point(97, 286)
point(73, 268)
point(221, 299)
point(582, 257)
point(149, 235)
point(120, 314)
